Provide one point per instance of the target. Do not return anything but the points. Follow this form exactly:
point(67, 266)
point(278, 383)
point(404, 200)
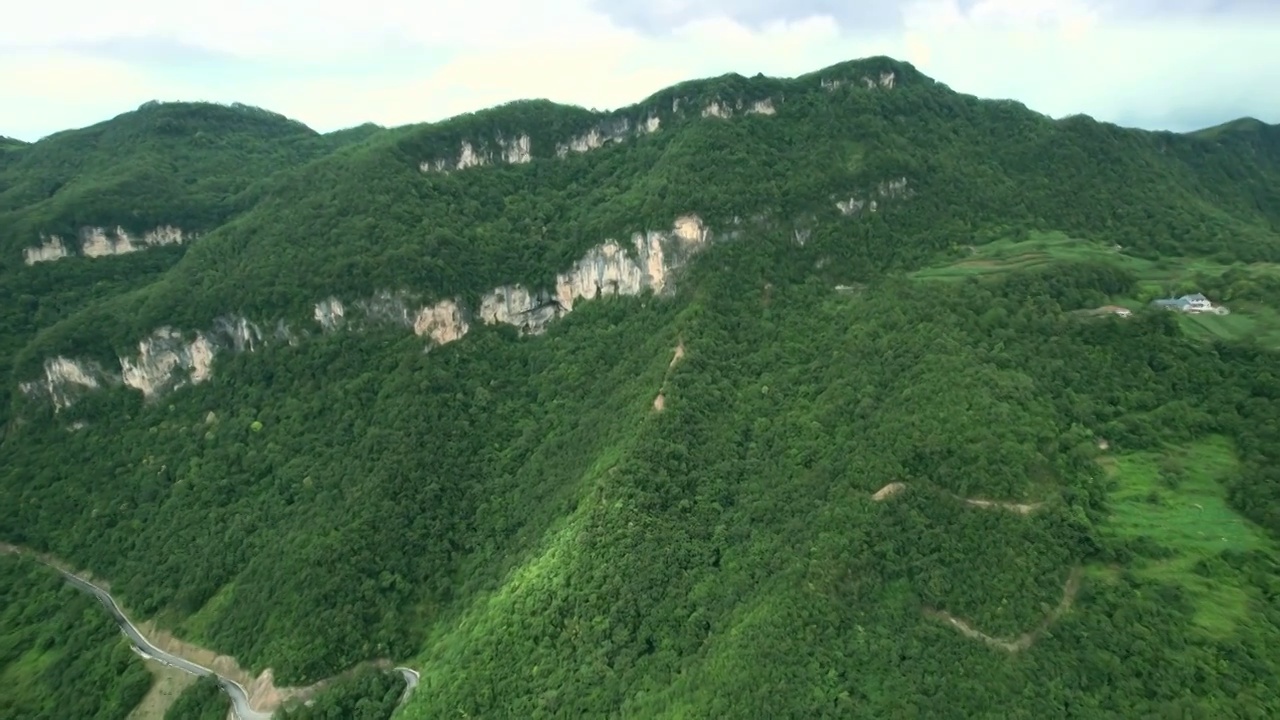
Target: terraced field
point(1249, 319)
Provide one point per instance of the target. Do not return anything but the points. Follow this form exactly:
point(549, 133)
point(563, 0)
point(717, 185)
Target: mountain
point(758, 398)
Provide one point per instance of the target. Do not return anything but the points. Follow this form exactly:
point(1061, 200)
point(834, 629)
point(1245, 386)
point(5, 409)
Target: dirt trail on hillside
point(894, 488)
point(1025, 640)
point(1021, 508)
point(660, 401)
point(263, 694)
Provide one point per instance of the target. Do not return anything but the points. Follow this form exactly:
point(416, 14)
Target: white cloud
point(452, 56)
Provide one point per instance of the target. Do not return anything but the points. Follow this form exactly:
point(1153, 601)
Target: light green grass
point(1247, 321)
point(196, 627)
point(1156, 278)
point(1191, 520)
point(1042, 249)
point(1038, 251)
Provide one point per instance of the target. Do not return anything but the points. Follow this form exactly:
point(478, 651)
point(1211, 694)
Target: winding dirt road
point(1025, 640)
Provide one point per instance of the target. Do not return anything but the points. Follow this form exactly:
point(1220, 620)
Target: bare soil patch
point(889, 491)
point(168, 685)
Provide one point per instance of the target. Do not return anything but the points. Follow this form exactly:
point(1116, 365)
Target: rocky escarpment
point(518, 148)
point(647, 263)
point(99, 242)
point(169, 358)
point(888, 189)
point(480, 152)
point(165, 360)
point(512, 151)
point(883, 80)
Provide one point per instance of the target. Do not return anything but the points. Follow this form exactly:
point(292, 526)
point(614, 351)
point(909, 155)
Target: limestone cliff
point(509, 151)
point(884, 80)
point(97, 242)
point(165, 360)
point(479, 152)
point(888, 189)
point(168, 358)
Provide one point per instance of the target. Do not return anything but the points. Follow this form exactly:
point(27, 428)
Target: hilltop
point(760, 397)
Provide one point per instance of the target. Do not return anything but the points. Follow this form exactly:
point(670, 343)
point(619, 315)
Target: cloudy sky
point(1175, 64)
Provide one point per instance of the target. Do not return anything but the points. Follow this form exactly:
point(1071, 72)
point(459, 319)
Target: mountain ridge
point(601, 421)
point(666, 129)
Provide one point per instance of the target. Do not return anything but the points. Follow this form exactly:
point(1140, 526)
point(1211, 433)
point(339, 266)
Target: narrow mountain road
point(239, 697)
point(240, 704)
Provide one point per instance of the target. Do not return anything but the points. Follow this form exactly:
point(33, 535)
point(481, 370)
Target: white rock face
point(719, 109)
point(49, 249)
point(100, 242)
point(513, 151)
point(715, 109)
point(63, 379)
point(443, 322)
point(884, 80)
point(468, 157)
point(606, 269)
point(161, 356)
point(330, 313)
point(613, 131)
point(895, 188)
point(517, 151)
point(167, 360)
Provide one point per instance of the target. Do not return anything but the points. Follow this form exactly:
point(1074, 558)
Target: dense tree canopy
point(680, 505)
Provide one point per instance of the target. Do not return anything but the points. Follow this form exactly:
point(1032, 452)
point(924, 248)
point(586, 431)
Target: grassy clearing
point(1042, 249)
point(1246, 321)
point(1156, 278)
point(1176, 501)
point(196, 627)
point(169, 684)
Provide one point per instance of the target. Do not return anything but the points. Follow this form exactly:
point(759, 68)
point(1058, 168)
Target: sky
point(1160, 64)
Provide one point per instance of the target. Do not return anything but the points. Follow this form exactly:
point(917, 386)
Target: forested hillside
point(60, 653)
point(832, 428)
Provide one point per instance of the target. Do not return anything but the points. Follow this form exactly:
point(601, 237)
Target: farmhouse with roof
point(1195, 303)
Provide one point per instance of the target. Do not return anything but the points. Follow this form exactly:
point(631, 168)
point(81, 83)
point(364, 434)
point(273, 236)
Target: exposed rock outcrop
point(727, 110)
point(510, 151)
point(101, 242)
point(888, 189)
point(49, 249)
point(608, 132)
point(168, 358)
point(884, 80)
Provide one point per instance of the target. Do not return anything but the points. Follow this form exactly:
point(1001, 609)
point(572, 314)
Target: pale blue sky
point(1176, 64)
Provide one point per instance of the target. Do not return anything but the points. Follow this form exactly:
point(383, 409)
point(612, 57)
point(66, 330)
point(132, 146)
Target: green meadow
point(1156, 278)
point(1172, 508)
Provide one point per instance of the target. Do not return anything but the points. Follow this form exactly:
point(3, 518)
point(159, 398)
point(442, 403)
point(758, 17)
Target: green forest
point(881, 462)
point(61, 654)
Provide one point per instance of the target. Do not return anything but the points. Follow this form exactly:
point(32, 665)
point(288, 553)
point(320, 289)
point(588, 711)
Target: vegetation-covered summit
point(873, 453)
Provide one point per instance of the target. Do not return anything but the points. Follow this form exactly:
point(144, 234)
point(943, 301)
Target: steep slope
point(548, 515)
point(165, 165)
point(61, 655)
point(151, 180)
point(519, 193)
